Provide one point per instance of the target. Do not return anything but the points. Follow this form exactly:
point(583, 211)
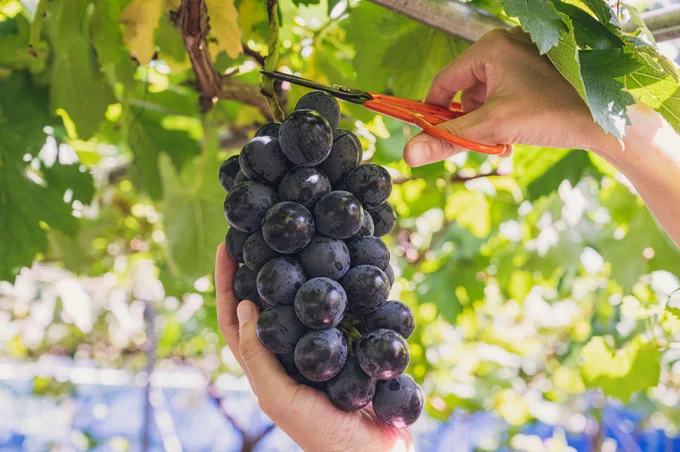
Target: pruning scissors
point(420, 114)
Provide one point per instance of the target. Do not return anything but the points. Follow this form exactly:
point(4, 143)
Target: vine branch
point(452, 179)
point(193, 23)
point(270, 61)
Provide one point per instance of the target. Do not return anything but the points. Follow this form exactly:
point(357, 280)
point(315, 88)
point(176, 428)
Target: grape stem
point(267, 86)
point(347, 327)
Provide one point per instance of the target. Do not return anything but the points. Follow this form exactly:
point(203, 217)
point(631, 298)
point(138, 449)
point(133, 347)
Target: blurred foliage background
point(538, 282)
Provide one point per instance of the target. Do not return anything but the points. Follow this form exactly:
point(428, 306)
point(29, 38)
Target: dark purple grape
point(288, 227)
point(384, 219)
point(240, 177)
point(383, 354)
point(346, 154)
point(351, 389)
point(305, 186)
point(306, 137)
point(228, 170)
point(398, 402)
point(256, 252)
point(323, 103)
point(366, 228)
point(278, 329)
point(245, 286)
point(320, 303)
point(369, 251)
point(247, 203)
point(262, 160)
point(270, 129)
point(234, 241)
point(279, 280)
point(325, 256)
point(389, 271)
point(320, 354)
point(339, 215)
point(393, 315)
point(367, 288)
point(320, 385)
point(370, 183)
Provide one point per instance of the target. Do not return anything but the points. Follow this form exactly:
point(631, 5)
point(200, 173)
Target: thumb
point(475, 126)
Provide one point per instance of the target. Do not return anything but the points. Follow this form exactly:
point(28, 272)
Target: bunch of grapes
point(305, 219)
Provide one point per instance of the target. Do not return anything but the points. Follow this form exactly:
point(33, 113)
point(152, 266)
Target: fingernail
point(244, 312)
point(419, 153)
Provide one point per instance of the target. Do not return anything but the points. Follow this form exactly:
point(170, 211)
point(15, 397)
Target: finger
point(462, 73)
point(225, 268)
point(266, 372)
point(475, 126)
point(474, 97)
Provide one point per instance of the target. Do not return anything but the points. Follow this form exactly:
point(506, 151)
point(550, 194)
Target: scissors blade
point(341, 92)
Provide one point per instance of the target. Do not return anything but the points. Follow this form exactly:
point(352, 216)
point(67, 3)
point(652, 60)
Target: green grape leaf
point(587, 30)
point(169, 41)
point(572, 167)
point(372, 30)
point(73, 177)
point(470, 209)
point(194, 216)
point(530, 163)
point(601, 71)
point(416, 57)
point(538, 18)
point(565, 57)
point(644, 248)
point(252, 17)
point(107, 39)
point(602, 10)
point(673, 304)
point(620, 373)
point(77, 85)
point(657, 90)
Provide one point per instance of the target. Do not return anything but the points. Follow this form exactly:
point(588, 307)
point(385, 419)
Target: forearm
point(651, 161)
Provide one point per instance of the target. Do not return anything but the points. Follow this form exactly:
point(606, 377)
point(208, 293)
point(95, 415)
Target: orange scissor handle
point(426, 117)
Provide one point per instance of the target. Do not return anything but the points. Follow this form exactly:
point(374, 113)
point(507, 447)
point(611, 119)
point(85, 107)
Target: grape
point(306, 137)
point(367, 288)
point(270, 129)
point(245, 286)
point(228, 170)
point(279, 280)
point(339, 215)
point(305, 186)
point(320, 303)
point(351, 389)
point(366, 228)
point(370, 183)
point(384, 219)
point(234, 241)
point(320, 354)
point(325, 256)
point(247, 203)
point(389, 271)
point(399, 402)
point(383, 354)
point(346, 154)
point(324, 104)
point(256, 252)
point(263, 161)
point(240, 177)
point(369, 251)
point(288, 227)
point(278, 329)
point(393, 315)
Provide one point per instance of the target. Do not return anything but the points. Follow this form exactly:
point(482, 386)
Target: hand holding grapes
point(304, 413)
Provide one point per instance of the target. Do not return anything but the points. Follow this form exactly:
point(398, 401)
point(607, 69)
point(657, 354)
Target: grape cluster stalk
point(306, 217)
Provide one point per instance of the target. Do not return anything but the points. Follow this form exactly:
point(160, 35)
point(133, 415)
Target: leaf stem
point(267, 86)
point(36, 27)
